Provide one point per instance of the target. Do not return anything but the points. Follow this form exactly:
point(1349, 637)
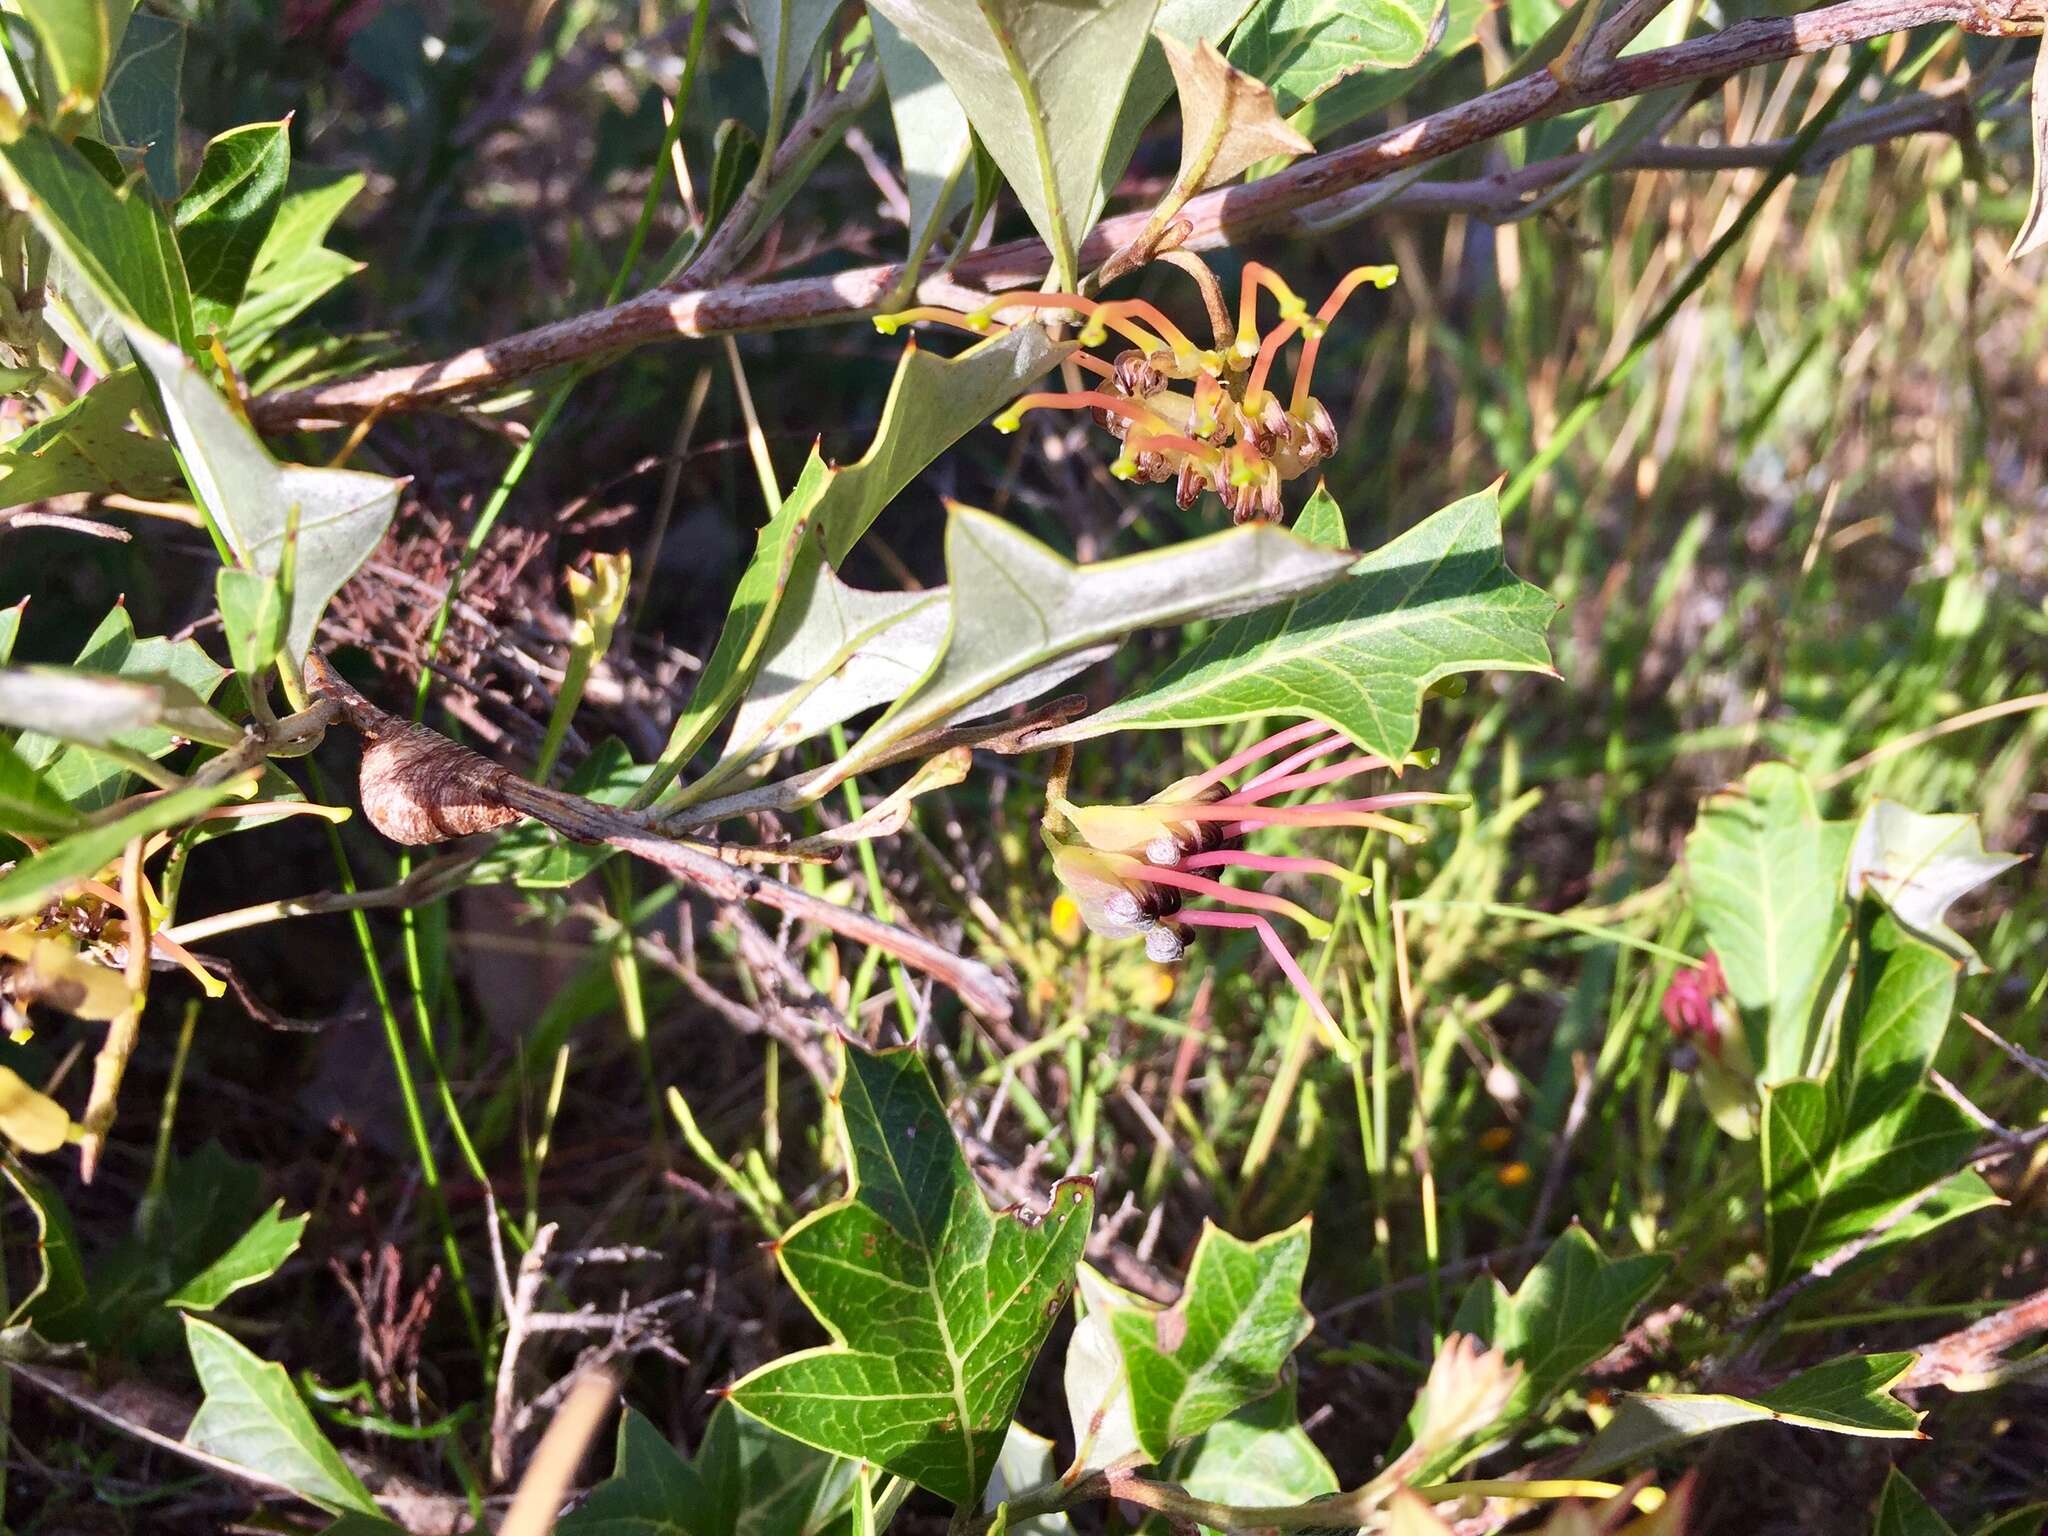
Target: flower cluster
point(1133, 870)
point(1228, 431)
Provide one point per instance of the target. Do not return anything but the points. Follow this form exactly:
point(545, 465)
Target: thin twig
point(1223, 217)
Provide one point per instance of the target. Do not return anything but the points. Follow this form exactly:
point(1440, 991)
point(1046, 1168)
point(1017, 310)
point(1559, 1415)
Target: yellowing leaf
point(52, 972)
point(33, 1121)
point(1228, 120)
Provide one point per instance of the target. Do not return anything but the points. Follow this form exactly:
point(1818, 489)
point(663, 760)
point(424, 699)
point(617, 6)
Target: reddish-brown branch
point(1219, 218)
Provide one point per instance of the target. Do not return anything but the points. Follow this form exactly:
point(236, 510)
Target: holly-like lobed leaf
point(1259, 1456)
point(1228, 122)
point(87, 446)
point(1919, 865)
point(1359, 657)
point(226, 215)
point(1569, 1311)
point(1024, 617)
point(256, 1255)
point(1042, 81)
point(746, 1480)
point(1766, 877)
point(1849, 1396)
point(57, 1307)
point(1901, 1511)
point(932, 402)
point(1221, 1345)
point(1301, 48)
point(937, 1304)
point(1843, 1152)
point(251, 1415)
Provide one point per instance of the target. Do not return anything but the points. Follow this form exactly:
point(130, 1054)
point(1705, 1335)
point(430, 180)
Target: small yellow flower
point(1066, 920)
point(1513, 1175)
point(1157, 990)
point(1495, 1138)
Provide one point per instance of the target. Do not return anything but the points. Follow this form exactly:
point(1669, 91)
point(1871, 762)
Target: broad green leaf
point(1901, 995)
point(1027, 1461)
point(1568, 1312)
point(1901, 1511)
point(116, 245)
point(1042, 81)
point(225, 216)
point(77, 40)
point(932, 402)
point(2033, 230)
point(1222, 1344)
point(252, 1415)
point(1359, 657)
point(1849, 1396)
point(1766, 876)
point(87, 446)
point(342, 513)
point(1260, 1456)
point(1301, 48)
point(937, 1304)
point(786, 32)
point(1919, 865)
point(27, 804)
point(1367, 92)
point(933, 139)
point(35, 880)
point(57, 1308)
point(1826, 1183)
point(747, 1480)
point(2029, 1520)
point(140, 105)
point(257, 1255)
point(1025, 617)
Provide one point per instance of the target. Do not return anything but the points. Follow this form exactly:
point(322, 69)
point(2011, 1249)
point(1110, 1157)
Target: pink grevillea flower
point(1692, 1004)
point(1137, 870)
point(1229, 432)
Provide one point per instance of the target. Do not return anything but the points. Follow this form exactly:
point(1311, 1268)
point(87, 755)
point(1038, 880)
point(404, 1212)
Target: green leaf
point(1359, 657)
point(10, 628)
point(786, 32)
point(1902, 1512)
point(251, 1415)
point(78, 857)
point(27, 804)
point(145, 695)
point(57, 1308)
point(933, 139)
point(139, 107)
point(1766, 876)
point(115, 245)
point(1919, 865)
point(932, 401)
point(225, 217)
point(747, 1480)
point(1024, 617)
point(937, 1304)
point(342, 513)
point(1901, 995)
point(87, 446)
point(2029, 1520)
point(1042, 81)
point(1849, 1396)
point(77, 38)
point(294, 269)
point(1568, 1312)
point(832, 652)
point(1301, 48)
point(1260, 1457)
point(257, 1255)
point(252, 619)
point(1222, 1344)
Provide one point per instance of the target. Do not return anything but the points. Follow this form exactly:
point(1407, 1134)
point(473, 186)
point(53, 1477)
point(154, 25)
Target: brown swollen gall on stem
point(1229, 433)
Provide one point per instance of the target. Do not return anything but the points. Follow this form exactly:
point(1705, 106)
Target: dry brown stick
point(1219, 218)
point(419, 787)
point(1977, 1350)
